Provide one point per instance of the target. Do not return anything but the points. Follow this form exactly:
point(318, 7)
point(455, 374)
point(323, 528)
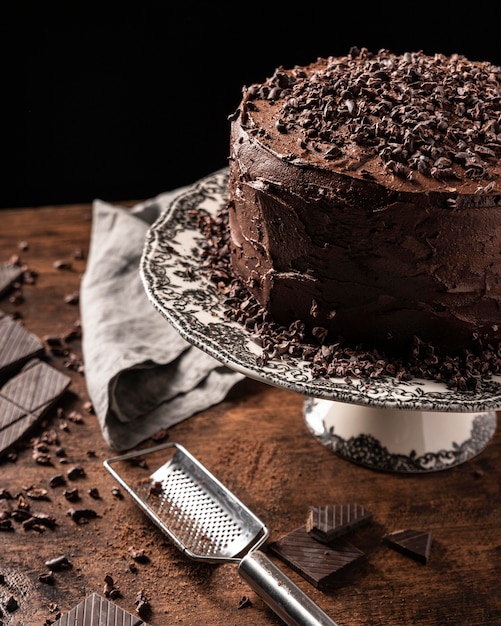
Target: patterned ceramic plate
point(170, 271)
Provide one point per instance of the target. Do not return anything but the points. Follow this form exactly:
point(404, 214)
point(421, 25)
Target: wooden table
point(256, 442)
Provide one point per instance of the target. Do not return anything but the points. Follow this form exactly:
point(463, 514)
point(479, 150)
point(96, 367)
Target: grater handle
point(286, 599)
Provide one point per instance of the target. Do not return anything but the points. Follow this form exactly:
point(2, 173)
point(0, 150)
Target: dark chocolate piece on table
point(320, 564)
point(17, 346)
point(98, 611)
point(9, 273)
point(26, 397)
point(325, 523)
point(413, 543)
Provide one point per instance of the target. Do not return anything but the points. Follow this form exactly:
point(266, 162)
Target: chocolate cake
point(365, 200)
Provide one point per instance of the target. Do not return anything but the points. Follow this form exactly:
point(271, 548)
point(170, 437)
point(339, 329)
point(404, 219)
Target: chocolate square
point(9, 273)
point(26, 397)
point(98, 611)
point(17, 346)
point(413, 543)
point(323, 565)
point(326, 523)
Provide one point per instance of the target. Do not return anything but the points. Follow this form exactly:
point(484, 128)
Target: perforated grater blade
point(192, 507)
point(208, 523)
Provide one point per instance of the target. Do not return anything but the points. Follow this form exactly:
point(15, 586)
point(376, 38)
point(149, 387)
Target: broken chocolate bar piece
point(320, 564)
point(98, 611)
point(9, 273)
point(26, 397)
point(325, 523)
point(413, 543)
point(17, 346)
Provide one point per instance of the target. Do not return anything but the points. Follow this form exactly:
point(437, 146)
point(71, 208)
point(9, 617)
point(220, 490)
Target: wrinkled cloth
point(141, 375)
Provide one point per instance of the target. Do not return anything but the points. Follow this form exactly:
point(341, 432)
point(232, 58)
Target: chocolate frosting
point(364, 197)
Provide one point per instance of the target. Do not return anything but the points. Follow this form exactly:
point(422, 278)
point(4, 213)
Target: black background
point(133, 103)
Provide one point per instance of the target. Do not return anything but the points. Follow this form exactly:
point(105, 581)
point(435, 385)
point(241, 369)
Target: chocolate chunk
point(320, 564)
point(58, 563)
point(17, 346)
point(82, 516)
point(9, 273)
point(325, 523)
point(26, 397)
point(413, 543)
point(98, 610)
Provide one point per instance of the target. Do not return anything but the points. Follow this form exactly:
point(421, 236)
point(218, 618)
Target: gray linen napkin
point(141, 375)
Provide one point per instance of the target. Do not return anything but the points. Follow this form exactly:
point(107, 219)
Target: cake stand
point(383, 424)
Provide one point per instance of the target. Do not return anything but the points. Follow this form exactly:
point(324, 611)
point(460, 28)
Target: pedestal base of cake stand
point(396, 440)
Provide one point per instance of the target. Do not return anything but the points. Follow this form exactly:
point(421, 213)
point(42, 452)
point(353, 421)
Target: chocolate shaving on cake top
point(435, 116)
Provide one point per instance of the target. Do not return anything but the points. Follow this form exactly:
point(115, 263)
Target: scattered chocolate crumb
point(20, 515)
point(6, 525)
point(32, 524)
point(62, 265)
point(75, 472)
point(48, 579)
point(72, 298)
point(244, 601)
point(142, 604)
point(11, 604)
point(155, 489)
point(89, 407)
point(16, 297)
point(110, 589)
point(41, 457)
point(58, 563)
point(71, 495)
point(36, 493)
point(117, 493)
point(53, 341)
point(138, 462)
point(94, 493)
point(137, 555)
point(74, 362)
point(40, 520)
point(75, 416)
point(58, 480)
point(22, 503)
point(160, 435)
point(82, 516)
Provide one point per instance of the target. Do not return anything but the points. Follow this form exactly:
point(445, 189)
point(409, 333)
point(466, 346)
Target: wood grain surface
point(257, 444)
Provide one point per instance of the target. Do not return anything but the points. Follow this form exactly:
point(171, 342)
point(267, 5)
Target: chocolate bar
point(320, 564)
point(326, 523)
point(9, 273)
point(17, 346)
point(98, 611)
point(413, 543)
point(26, 397)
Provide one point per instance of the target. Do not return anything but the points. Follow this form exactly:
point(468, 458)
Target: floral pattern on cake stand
point(384, 424)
